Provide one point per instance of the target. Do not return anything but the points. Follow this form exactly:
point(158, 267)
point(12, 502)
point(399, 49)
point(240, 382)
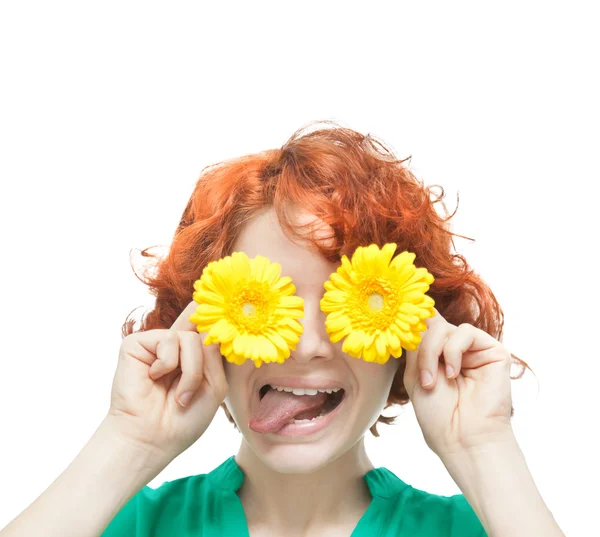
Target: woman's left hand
point(470, 409)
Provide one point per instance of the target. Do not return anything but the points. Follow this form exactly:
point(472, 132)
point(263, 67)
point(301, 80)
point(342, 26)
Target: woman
point(323, 195)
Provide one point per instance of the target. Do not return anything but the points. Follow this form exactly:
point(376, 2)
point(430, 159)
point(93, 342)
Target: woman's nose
point(314, 340)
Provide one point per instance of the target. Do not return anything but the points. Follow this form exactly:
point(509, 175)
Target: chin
point(305, 453)
point(298, 458)
point(300, 454)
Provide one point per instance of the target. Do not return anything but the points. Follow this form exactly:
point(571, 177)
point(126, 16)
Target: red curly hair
point(357, 186)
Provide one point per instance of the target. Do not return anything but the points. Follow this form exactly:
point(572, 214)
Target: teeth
point(293, 420)
point(303, 391)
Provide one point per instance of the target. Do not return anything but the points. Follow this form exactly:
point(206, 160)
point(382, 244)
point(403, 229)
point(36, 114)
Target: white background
point(110, 110)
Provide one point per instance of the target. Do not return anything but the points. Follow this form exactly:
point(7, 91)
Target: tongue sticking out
point(277, 408)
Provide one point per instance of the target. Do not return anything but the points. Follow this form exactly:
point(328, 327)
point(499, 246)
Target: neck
point(294, 503)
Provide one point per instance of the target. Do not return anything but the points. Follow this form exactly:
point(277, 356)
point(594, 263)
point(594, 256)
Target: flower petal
point(354, 342)
point(370, 353)
point(334, 324)
point(281, 344)
point(381, 346)
point(387, 252)
point(240, 344)
point(340, 282)
point(336, 336)
point(281, 283)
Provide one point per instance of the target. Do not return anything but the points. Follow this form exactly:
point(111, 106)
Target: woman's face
point(317, 361)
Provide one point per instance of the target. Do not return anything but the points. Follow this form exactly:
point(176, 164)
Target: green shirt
point(207, 505)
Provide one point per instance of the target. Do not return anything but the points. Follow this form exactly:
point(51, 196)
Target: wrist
point(114, 434)
point(496, 482)
point(482, 473)
point(471, 468)
point(477, 452)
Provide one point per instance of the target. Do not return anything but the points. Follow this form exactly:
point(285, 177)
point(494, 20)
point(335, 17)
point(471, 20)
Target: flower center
point(373, 304)
point(375, 301)
point(251, 308)
point(248, 309)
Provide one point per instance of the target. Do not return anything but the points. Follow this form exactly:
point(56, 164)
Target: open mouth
point(331, 402)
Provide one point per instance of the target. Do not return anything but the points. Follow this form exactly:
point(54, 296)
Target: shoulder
point(418, 512)
point(153, 509)
point(453, 514)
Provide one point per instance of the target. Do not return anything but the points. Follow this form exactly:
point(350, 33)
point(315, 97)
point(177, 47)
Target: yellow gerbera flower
point(377, 305)
point(248, 308)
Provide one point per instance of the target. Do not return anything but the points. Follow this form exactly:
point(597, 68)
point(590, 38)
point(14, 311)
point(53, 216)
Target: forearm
point(499, 487)
point(91, 491)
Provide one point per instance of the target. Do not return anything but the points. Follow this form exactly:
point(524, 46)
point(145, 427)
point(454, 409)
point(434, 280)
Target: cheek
point(233, 381)
point(375, 381)
point(238, 397)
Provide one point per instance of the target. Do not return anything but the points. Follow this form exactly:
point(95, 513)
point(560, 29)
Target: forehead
point(263, 235)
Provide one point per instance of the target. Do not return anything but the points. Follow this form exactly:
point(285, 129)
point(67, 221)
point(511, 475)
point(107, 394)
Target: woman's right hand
point(155, 369)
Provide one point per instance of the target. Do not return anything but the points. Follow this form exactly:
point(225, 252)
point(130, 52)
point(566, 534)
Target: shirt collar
point(381, 482)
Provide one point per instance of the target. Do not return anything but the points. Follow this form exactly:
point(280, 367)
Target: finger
point(425, 358)
point(191, 363)
point(143, 345)
point(214, 371)
point(212, 358)
point(459, 342)
point(411, 374)
point(435, 320)
point(183, 322)
point(429, 354)
point(167, 355)
point(464, 348)
point(416, 370)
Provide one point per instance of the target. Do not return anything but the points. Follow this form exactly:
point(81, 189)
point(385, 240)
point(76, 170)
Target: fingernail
point(449, 370)
point(426, 378)
point(185, 398)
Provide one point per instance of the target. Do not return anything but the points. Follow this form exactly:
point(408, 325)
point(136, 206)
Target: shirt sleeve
point(465, 520)
point(124, 522)
point(176, 507)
